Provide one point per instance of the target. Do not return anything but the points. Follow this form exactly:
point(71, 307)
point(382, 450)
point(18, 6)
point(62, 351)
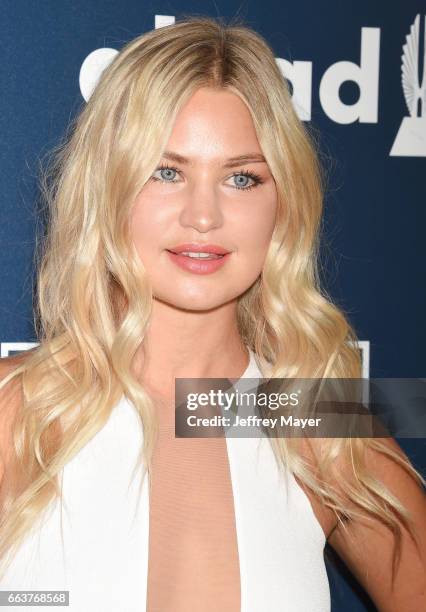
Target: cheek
point(146, 224)
point(256, 229)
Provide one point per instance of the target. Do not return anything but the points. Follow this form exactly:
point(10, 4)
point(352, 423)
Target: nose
point(201, 208)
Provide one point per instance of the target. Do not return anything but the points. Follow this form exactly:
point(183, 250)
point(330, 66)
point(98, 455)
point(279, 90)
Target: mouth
point(197, 250)
point(198, 261)
point(197, 254)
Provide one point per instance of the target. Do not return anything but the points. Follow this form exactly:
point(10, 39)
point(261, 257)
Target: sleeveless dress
point(102, 559)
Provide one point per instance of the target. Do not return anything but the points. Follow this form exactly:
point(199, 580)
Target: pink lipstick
point(199, 258)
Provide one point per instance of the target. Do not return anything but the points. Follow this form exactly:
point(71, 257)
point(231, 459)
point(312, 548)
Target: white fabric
point(103, 559)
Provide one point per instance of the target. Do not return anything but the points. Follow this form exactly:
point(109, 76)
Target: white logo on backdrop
point(365, 75)
point(7, 349)
point(92, 68)
point(96, 62)
point(364, 348)
point(411, 138)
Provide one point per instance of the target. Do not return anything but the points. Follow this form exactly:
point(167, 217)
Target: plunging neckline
point(193, 557)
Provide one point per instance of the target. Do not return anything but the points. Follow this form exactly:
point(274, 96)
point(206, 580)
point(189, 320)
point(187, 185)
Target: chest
point(193, 545)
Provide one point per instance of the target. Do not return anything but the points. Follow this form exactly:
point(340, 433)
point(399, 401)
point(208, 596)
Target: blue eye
point(167, 174)
point(247, 175)
point(245, 180)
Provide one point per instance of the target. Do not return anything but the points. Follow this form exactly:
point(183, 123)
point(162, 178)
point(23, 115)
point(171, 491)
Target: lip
point(198, 266)
point(199, 248)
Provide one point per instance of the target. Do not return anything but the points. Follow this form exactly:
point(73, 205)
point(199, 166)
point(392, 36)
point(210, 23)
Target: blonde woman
point(185, 208)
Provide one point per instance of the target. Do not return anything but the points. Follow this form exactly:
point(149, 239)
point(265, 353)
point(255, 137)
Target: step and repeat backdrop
point(357, 71)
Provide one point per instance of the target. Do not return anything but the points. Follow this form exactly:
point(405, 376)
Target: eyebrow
point(230, 163)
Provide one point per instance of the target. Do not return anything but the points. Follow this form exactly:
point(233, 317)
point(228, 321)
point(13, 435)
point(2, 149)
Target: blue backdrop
point(343, 60)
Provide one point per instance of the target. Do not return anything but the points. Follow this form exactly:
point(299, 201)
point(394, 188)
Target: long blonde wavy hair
point(94, 299)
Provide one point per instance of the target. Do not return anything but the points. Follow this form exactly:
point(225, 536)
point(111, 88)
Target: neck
point(190, 344)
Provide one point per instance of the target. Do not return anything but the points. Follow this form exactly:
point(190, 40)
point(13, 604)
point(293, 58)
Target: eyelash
point(255, 177)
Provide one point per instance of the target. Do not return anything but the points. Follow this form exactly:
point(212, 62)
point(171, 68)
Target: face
point(200, 196)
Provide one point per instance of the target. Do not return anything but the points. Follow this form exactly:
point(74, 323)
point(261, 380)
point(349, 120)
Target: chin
point(194, 302)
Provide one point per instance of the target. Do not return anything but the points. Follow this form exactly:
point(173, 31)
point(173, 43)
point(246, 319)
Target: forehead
point(213, 124)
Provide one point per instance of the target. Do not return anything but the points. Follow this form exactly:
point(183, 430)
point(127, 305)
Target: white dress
point(103, 558)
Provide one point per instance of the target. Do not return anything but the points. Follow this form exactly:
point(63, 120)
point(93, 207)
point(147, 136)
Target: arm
point(367, 546)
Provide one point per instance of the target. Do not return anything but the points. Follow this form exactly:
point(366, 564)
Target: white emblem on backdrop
point(96, 62)
point(8, 349)
point(411, 138)
point(92, 68)
point(364, 347)
point(365, 75)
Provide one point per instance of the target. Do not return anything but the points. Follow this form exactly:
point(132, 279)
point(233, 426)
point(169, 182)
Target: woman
point(190, 144)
